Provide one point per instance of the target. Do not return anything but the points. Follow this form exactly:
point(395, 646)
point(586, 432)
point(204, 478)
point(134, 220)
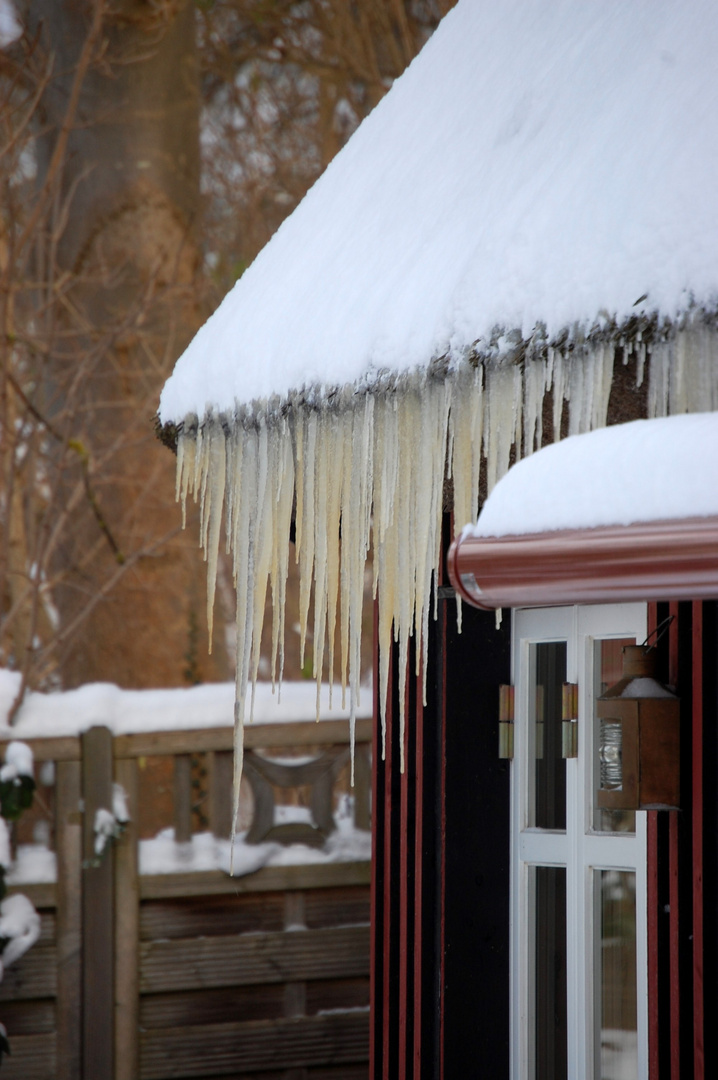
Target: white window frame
point(579, 849)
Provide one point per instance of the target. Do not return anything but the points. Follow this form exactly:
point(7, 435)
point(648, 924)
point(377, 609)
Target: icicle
point(499, 617)
point(280, 542)
point(334, 503)
point(559, 391)
point(306, 536)
point(534, 389)
point(659, 378)
point(186, 447)
point(212, 507)
point(503, 389)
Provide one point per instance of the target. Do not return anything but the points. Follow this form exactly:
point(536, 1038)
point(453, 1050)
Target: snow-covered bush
point(19, 922)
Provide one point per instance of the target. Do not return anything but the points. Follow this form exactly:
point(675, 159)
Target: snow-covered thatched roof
point(534, 199)
point(542, 164)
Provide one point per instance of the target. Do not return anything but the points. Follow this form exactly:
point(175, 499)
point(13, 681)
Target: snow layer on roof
point(541, 161)
point(647, 470)
point(127, 712)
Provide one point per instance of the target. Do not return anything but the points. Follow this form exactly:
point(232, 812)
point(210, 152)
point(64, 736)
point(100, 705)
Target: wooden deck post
point(127, 930)
point(183, 798)
point(362, 786)
point(68, 834)
point(97, 912)
point(220, 793)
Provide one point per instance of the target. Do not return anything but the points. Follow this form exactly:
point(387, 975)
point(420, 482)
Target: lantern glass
point(608, 738)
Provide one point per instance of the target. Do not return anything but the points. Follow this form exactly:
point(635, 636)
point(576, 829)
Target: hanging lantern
point(639, 740)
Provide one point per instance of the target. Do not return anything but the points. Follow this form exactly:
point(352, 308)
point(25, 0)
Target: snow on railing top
point(127, 712)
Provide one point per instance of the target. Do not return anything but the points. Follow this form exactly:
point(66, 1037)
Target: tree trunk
point(119, 272)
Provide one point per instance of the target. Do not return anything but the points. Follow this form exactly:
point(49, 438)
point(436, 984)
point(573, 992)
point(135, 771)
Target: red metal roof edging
point(656, 560)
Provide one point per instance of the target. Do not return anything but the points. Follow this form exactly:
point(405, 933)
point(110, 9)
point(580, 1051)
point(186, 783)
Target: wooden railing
point(193, 974)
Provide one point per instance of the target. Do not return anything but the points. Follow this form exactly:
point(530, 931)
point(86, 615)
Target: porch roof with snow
point(533, 198)
point(628, 512)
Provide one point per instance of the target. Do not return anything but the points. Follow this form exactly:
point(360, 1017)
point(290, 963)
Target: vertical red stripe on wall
point(652, 914)
point(404, 943)
point(376, 749)
point(418, 872)
point(697, 838)
point(386, 945)
point(673, 867)
point(443, 842)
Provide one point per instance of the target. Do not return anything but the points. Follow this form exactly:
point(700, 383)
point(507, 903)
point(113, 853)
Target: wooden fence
point(194, 974)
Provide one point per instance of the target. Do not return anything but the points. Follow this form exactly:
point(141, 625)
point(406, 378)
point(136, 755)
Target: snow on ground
point(161, 855)
point(130, 711)
point(647, 470)
point(540, 161)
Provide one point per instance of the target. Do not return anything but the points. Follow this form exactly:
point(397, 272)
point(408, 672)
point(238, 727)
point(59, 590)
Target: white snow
point(34, 863)
point(10, 28)
point(18, 761)
point(162, 855)
point(127, 712)
point(21, 924)
point(542, 161)
point(646, 470)
point(645, 688)
point(120, 809)
point(105, 829)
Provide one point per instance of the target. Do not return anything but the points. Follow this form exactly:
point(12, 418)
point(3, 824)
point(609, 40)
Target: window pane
point(616, 974)
point(549, 788)
point(608, 669)
point(550, 1043)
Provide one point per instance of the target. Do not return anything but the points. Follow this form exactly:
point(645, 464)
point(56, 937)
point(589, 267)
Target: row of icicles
point(371, 472)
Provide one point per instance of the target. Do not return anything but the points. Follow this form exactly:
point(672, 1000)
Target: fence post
point(221, 764)
point(183, 798)
point(68, 845)
point(362, 786)
point(97, 912)
point(127, 930)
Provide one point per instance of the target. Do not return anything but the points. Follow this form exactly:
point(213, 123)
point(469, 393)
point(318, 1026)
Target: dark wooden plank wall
point(440, 931)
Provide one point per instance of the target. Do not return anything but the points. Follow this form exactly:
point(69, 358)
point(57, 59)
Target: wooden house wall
point(440, 955)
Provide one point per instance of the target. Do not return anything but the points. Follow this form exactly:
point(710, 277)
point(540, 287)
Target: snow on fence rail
point(101, 967)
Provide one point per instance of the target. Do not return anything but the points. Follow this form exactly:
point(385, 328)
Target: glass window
point(616, 975)
point(550, 1034)
point(549, 787)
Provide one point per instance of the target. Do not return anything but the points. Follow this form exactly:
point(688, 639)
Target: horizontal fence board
point(202, 916)
point(255, 958)
point(329, 1072)
point(215, 1049)
point(41, 894)
point(32, 1058)
point(268, 879)
point(241, 1003)
point(324, 995)
point(226, 1005)
point(27, 1018)
point(59, 748)
point(256, 736)
point(337, 907)
point(34, 975)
